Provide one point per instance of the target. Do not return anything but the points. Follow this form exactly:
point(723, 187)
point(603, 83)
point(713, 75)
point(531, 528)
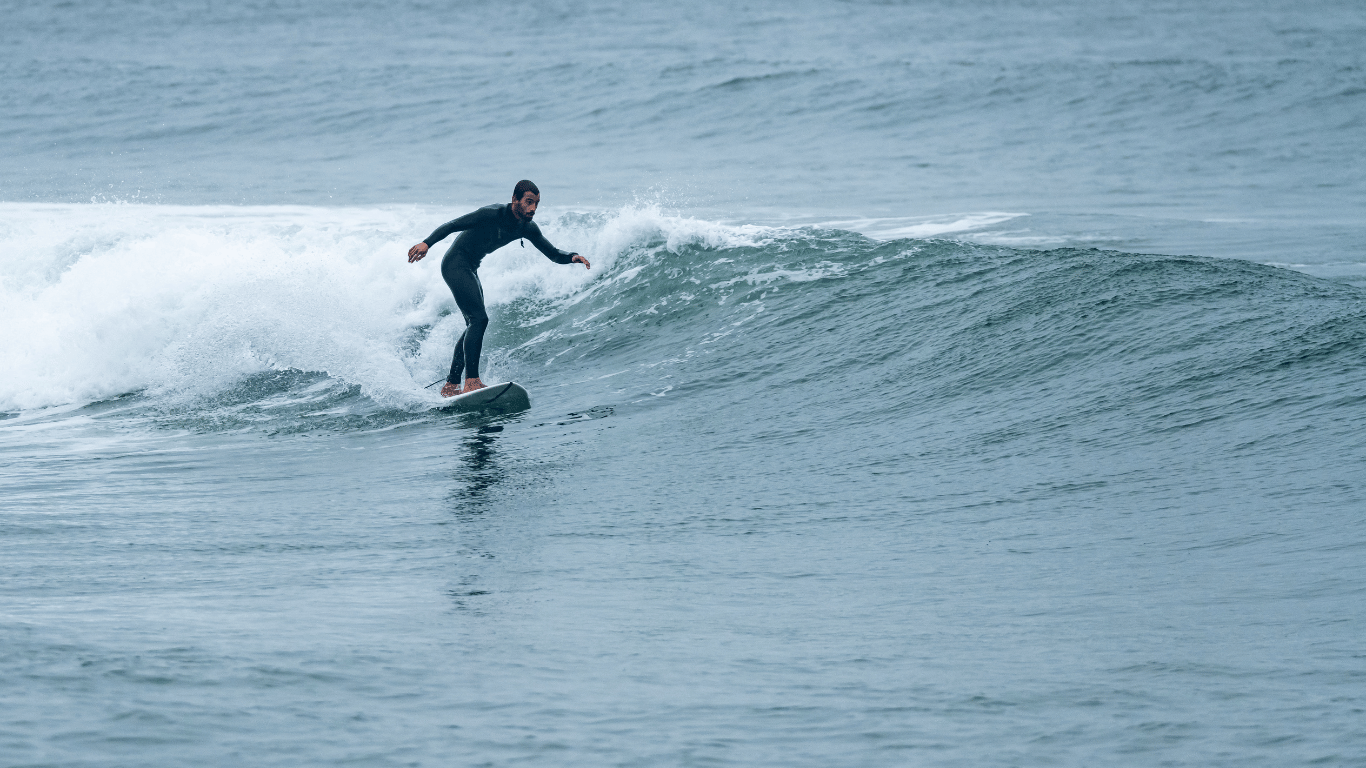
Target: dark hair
point(524, 187)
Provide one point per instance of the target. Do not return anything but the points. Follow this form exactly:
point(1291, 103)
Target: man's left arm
point(551, 252)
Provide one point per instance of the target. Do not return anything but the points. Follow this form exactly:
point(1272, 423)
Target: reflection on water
point(498, 498)
point(478, 472)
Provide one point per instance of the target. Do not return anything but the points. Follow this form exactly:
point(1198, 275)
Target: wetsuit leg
point(458, 361)
point(469, 297)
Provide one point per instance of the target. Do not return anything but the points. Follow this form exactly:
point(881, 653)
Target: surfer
point(482, 232)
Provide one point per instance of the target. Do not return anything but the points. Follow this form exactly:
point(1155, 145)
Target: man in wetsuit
point(481, 233)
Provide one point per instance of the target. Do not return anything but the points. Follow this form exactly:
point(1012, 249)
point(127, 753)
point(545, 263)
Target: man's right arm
point(471, 219)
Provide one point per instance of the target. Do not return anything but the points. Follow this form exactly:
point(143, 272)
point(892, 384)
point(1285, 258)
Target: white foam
point(921, 227)
point(98, 300)
point(1352, 271)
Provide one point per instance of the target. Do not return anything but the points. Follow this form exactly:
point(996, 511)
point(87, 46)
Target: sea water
point(954, 384)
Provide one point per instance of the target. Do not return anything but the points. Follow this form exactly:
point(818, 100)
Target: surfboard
point(502, 398)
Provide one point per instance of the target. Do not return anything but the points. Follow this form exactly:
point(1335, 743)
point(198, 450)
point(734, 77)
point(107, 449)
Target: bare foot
point(450, 389)
point(471, 385)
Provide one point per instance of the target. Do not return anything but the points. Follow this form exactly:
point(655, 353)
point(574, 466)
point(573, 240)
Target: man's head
point(525, 198)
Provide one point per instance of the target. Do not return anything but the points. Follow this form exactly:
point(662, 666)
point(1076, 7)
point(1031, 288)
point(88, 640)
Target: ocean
point(955, 384)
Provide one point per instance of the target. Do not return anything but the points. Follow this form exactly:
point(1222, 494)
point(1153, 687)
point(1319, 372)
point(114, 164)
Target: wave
point(108, 299)
point(827, 326)
point(255, 315)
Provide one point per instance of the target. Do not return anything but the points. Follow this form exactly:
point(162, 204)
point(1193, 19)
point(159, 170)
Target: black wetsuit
point(481, 233)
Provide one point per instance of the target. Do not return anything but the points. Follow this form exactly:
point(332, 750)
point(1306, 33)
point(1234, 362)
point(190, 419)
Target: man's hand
point(417, 252)
point(577, 259)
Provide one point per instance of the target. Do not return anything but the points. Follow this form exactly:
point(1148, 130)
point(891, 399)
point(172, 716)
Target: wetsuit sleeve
point(533, 233)
point(469, 220)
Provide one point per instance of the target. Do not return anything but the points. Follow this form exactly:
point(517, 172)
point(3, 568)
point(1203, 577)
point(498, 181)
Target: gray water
point(955, 384)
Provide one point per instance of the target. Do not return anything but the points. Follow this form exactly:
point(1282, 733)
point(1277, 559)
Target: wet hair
point(524, 187)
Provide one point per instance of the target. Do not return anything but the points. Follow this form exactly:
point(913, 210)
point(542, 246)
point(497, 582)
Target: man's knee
point(478, 322)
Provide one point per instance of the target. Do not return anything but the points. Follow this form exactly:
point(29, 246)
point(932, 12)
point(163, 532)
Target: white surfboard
point(503, 398)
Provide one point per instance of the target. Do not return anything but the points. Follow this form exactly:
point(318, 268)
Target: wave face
point(282, 312)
